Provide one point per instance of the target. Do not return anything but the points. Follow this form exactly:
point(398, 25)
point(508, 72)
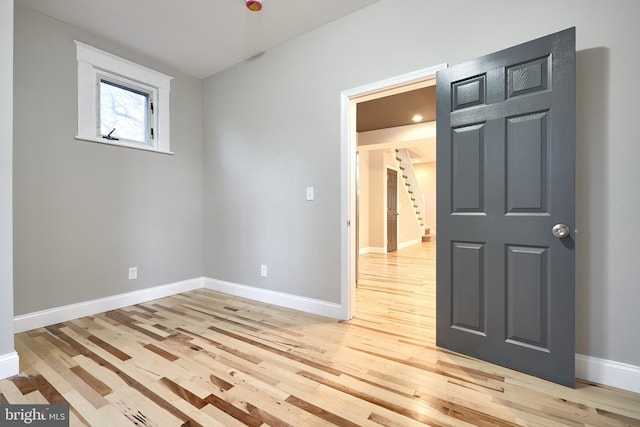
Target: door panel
point(527, 296)
point(467, 143)
point(505, 135)
point(392, 210)
point(527, 151)
point(468, 287)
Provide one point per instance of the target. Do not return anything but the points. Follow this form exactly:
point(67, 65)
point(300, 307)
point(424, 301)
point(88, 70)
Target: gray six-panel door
point(505, 177)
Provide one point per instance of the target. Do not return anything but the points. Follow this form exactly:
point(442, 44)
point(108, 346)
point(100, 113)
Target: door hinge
point(151, 106)
point(151, 133)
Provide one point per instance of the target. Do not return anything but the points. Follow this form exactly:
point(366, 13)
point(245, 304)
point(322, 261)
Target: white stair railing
point(411, 184)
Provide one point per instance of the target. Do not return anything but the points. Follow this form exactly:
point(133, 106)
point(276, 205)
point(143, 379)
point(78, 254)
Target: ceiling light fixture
point(417, 118)
point(254, 5)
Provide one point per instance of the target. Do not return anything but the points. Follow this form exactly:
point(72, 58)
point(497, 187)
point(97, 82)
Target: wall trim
point(410, 243)
point(348, 106)
point(376, 250)
point(39, 319)
point(9, 365)
point(608, 372)
point(308, 305)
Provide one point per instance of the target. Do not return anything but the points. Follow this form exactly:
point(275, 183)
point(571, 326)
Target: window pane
point(125, 110)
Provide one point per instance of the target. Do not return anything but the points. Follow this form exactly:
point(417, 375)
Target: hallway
point(398, 289)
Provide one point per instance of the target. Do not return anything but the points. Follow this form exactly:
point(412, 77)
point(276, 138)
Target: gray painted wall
point(86, 212)
point(266, 141)
point(272, 127)
point(6, 177)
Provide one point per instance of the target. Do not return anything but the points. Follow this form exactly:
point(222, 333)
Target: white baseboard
point(410, 243)
point(308, 305)
point(372, 250)
point(363, 251)
point(39, 319)
point(608, 372)
point(376, 250)
point(9, 365)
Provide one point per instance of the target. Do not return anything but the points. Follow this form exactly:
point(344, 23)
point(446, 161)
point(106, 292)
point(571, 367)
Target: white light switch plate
point(310, 193)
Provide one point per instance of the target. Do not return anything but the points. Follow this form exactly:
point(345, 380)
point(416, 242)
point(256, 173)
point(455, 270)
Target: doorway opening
point(354, 144)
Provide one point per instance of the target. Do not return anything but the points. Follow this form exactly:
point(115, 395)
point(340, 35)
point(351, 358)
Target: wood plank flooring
point(207, 359)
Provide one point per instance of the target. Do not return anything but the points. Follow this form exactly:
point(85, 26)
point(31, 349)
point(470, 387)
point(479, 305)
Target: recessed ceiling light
point(417, 118)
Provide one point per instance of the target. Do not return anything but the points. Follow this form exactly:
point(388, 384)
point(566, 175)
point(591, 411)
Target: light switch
point(310, 193)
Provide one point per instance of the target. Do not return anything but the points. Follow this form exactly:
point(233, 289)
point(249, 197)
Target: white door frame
point(348, 143)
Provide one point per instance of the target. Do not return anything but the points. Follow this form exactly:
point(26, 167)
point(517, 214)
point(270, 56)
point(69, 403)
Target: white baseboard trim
point(376, 250)
point(308, 305)
point(608, 372)
point(9, 365)
point(39, 319)
point(410, 243)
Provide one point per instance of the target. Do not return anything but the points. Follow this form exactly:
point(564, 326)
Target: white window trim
point(93, 62)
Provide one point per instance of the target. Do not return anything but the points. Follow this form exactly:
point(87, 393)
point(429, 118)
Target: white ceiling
point(199, 37)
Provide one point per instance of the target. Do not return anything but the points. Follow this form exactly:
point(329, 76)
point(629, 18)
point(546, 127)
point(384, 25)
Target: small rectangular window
point(122, 103)
point(124, 112)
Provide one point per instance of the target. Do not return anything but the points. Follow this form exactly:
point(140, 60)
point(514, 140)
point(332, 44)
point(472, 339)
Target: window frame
point(124, 84)
point(94, 64)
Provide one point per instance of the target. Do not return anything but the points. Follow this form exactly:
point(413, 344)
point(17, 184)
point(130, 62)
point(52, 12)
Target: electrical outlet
point(263, 270)
point(133, 273)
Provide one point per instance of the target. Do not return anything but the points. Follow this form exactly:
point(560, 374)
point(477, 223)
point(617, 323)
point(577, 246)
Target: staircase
point(413, 189)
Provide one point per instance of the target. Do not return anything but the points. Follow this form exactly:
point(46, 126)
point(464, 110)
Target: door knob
point(560, 231)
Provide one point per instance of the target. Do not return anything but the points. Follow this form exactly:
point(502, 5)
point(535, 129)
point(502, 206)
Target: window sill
point(122, 144)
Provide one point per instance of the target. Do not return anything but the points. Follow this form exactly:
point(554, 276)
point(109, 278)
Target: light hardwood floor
point(205, 358)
